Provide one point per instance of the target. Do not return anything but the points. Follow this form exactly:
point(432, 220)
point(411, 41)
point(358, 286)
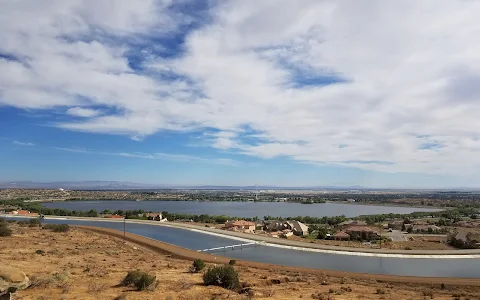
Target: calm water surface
point(240, 209)
point(427, 267)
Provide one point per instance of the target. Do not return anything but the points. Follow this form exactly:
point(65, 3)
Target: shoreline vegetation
point(428, 199)
point(36, 207)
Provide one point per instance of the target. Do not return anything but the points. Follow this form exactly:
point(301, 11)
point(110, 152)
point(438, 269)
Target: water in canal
point(427, 267)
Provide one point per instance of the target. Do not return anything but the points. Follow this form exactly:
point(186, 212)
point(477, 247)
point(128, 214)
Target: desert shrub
point(57, 227)
point(131, 278)
point(5, 231)
point(39, 251)
point(223, 276)
point(380, 291)
point(198, 265)
point(145, 281)
point(141, 280)
point(442, 286)
point(232, 262)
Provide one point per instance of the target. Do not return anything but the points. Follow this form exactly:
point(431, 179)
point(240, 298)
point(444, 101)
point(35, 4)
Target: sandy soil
point(86, 264)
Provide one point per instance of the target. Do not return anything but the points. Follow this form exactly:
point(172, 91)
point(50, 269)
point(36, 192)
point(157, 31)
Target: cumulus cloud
point(372, 85)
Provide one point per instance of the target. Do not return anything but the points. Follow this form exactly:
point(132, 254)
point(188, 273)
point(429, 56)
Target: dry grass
point(86, 265)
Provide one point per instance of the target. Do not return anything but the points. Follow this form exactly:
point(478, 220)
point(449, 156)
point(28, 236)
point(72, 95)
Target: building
point(113, 216)
point(362, 233)
point(154, 216)
point(341, 236)
point(272, 226)
point(425, 228)
point(396, 225)
point(19, 212)
point(466, 240)
point(298, 228)
point(240, 225)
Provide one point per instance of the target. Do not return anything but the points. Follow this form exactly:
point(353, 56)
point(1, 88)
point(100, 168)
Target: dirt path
point(178, 252)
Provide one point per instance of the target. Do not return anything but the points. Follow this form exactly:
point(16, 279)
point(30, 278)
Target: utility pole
point(124, 225)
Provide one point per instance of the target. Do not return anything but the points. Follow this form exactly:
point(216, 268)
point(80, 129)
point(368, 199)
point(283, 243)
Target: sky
point(287, 93)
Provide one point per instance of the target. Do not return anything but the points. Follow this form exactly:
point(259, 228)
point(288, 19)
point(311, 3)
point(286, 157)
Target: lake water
point(427, 267)
point(239, 209)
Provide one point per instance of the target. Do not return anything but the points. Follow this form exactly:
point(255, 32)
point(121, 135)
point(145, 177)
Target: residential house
point(157, 216)
point(273, 225)
point(109, 216)
point(362, 233)
point(465, 240)
point(341, 236)
point(23, 213)
point(424, 228)
point(19, 212)
point(297, 227)
point(396, 225)
point(240, 225)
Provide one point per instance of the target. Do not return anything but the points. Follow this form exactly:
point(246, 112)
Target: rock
point(11, 280)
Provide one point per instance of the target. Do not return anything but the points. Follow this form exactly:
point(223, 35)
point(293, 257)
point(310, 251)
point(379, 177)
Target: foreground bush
point(141, 280)
point(198, 265)
point(57, 227)
point(5, 231)
point(223, 276)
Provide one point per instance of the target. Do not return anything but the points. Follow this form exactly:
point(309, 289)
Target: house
point(396, 225)
point(240, 225)
point(362, 233)
point(297, 227)
point(341, 236)
point(272, 226)
point(466, 240)
point(113, 216)
point(424, 228)
point(154, 216)
point(19, 212)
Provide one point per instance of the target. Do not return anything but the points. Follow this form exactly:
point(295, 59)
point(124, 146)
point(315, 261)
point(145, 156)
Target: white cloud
point(83, 112)
point(409, 77)
point(156, 155)
point(23, 143)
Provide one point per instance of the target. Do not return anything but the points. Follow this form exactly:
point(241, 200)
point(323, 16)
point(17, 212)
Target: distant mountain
point(120, 185)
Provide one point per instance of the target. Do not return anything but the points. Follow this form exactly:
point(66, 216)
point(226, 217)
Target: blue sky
point(307, 93)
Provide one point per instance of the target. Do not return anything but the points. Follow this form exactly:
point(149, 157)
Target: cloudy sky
point(294, 93)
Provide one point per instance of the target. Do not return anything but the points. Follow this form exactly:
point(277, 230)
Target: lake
point(240, 209)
